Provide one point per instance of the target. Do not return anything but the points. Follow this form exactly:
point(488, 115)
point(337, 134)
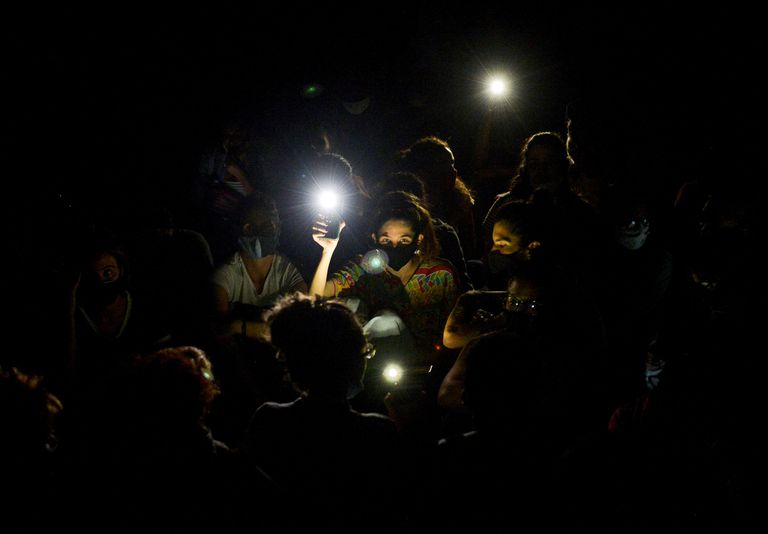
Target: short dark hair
point(321, 340)
point(403, 181)
point(173, 385)
point(257, 201)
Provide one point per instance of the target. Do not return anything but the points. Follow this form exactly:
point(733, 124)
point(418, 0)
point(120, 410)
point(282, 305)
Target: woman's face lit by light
point(395, 233)
point(505, 239)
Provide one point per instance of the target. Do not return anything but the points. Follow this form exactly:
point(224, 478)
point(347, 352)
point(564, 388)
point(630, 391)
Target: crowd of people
point(575, 353)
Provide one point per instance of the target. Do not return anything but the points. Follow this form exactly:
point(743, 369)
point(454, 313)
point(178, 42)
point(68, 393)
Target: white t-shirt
point(282, 278)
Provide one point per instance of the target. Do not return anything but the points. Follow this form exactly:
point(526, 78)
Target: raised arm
point(320, 284)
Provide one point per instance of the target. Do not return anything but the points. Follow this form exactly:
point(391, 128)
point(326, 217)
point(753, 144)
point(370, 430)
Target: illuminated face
point(397, 233)
point(505, 240)
point(106, 268)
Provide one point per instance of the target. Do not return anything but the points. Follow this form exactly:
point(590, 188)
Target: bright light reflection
point(393, 373)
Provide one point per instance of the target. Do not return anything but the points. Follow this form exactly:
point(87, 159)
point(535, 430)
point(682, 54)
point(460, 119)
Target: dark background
point(104, 104)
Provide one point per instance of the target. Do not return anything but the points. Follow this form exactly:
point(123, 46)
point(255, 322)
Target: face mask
point(237, 186)
point(399, 256)
point(101, 293)
point(358, 107)
point(258, 246)
point(501, 263)
point(632, 235)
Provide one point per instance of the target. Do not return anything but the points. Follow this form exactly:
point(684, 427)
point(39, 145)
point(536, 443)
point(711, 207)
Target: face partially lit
point(105, 268)
point(505, 240)
point(396, 233)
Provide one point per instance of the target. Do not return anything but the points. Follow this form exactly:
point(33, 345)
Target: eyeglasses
point(522, 305)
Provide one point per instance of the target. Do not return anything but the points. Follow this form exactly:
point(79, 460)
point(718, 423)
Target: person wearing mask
point(256, 273)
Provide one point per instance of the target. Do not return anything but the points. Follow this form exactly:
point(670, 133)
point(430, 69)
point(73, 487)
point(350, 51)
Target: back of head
point(332, 172)
point(333, 168)
point(430, 158)
point(403, 181)
point(170, 390)
point(322, 342)
point(330, 164)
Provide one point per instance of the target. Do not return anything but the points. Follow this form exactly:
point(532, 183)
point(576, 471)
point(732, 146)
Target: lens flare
point(375, 261)
point(498, 87)
point(328, 200)
point(393, 373)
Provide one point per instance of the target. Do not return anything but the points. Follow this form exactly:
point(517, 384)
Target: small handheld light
point(375, 261)
point(329, 204)
point(392, 373)
point(498, 87)
point(328, 201)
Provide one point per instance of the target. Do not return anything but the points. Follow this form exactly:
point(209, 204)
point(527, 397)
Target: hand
point(486, 320)
point(320, 228)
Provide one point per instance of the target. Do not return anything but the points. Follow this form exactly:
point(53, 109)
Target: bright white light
point(393, 373)
point(375, 261)
point(498, 87)
point(328, 200)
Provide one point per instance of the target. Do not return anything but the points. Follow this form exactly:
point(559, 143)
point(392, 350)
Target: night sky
point(106, 99)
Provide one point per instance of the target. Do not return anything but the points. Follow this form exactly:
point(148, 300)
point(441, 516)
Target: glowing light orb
point(393, 373)
point(498, 87)
point(375, 261)
point(328, 200)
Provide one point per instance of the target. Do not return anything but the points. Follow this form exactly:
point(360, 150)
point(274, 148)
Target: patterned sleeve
point(346, 277)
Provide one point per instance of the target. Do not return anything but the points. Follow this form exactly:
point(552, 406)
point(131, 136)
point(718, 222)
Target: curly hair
point(174, 385)
point(321, 340)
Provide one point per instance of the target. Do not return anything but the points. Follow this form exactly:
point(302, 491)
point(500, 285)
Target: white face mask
point(633, 234)
point(358, 107)
point(237, 186)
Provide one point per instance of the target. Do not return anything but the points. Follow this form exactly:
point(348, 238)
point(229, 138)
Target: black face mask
point(97, 293)
point(399, 256)
point(500, 263)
